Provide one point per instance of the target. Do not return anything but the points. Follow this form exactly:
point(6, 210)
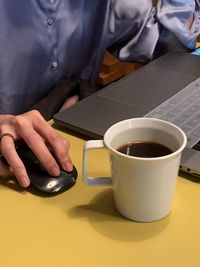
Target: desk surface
point(81, 228)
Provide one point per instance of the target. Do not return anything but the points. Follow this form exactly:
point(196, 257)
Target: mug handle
point(93, 144)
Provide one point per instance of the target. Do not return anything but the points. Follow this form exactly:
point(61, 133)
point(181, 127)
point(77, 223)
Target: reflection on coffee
point(144, 149)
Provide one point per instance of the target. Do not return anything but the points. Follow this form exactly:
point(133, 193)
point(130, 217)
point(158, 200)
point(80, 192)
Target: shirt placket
point(52, 37)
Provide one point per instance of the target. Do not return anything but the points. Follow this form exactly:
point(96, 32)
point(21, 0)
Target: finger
point(27, 129)
point(61, 149)
point(58, 144)
point(39, 148)
point(15, 163)
point(62, 153)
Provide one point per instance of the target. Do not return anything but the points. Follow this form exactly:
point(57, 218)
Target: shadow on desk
point(11, 183)
point(104, 218)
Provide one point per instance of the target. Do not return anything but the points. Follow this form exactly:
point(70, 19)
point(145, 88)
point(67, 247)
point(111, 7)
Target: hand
point(37, 133)
point(69, 102)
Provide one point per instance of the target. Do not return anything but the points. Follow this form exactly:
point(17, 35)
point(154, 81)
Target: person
point(42, 41)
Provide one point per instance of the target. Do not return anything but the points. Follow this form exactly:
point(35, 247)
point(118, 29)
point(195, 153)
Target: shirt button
point(50, 21)
point(54, 65)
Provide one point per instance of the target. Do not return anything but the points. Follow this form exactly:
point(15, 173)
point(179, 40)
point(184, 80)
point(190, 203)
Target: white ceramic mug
point(143, 187)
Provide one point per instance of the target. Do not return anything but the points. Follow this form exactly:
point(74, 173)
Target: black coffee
point(144, 149)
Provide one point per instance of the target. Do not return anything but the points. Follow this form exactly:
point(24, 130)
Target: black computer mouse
point(40, 178)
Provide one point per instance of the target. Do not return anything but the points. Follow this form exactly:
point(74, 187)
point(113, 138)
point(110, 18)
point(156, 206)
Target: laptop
point(167, 88)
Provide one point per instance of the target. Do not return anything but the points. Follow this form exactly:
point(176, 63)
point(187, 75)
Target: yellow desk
point(81, 228)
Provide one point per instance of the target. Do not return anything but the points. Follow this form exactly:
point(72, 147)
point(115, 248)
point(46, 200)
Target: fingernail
point(24, 181)
point(55, 171)
point(68, 166)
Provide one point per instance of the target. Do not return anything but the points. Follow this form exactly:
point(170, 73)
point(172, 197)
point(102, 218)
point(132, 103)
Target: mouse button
point(41, 169)
point(27, 157)
point(31, 162)
point(36, 178)
point(73, 173)
point(66, 178)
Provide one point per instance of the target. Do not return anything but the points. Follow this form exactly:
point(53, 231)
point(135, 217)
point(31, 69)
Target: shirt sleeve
point(139, 31)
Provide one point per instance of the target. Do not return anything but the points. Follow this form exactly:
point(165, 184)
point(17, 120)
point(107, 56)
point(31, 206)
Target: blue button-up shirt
point(42, 41)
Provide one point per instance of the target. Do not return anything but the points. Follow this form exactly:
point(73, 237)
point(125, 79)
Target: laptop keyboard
point(183, 109)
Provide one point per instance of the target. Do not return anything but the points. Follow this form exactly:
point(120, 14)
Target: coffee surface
point(144, 149)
